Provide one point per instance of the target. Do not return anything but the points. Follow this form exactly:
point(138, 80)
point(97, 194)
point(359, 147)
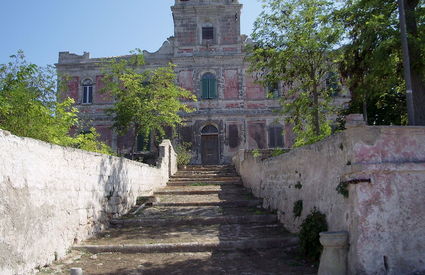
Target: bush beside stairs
point(202, 222)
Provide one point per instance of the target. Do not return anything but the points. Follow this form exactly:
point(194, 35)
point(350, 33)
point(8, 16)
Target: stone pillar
point(334, 256)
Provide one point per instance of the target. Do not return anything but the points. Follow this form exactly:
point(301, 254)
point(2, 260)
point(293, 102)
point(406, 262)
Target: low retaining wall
point(385, 211)
point(52, 197)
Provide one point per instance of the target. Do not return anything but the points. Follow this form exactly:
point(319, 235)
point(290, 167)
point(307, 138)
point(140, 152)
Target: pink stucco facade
point(385, 211)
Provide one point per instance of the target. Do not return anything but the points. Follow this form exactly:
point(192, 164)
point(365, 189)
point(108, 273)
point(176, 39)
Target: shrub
point(184, 155)
point(314, 223)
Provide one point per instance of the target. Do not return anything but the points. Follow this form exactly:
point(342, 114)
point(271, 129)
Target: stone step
point(272, 261)
point(195, 220)
point(277, 242)
point(163, 213)
point(208, 167)
point(236, 203)
point(204, 176)
point(194, 233)
point(206, 179)
point(203, 183)
point(203, 190)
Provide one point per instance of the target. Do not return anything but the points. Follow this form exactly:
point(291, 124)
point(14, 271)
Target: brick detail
point(105, 133)
point(231, 84)
point(186, 80)
point(73, 88)
point(98, 96)
point(253, 90)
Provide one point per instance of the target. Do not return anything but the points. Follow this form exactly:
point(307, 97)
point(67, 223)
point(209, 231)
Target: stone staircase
point(203, 222)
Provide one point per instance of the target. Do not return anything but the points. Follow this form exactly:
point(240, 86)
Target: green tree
point(372, 58)
point(294, 43)
point(29, 106)
point(146, 100)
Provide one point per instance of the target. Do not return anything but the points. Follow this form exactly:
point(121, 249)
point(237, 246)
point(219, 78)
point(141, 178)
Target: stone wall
point(385, 211)
point(52, 197)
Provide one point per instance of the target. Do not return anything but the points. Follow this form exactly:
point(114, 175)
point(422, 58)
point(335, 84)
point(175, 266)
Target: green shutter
point(213, 88)
point(205, 88)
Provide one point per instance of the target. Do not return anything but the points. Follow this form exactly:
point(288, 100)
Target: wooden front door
point(209, 147)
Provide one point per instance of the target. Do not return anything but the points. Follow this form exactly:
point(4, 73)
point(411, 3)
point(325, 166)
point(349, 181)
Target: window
point(87, 92)
point(273, 90)
point(275, 136)
point(233, 136)
point(209, 130)
point(209, 86)
point(207, 33)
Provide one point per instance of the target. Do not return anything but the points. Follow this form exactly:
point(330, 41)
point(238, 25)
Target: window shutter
point(213, 88)
point(233, 136)
point(272, 137)
point(90, 94)
point(85, 98)
point(205, 88)
point(279, 135)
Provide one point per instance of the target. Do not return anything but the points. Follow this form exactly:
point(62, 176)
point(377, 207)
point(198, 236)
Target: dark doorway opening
point(210, 145)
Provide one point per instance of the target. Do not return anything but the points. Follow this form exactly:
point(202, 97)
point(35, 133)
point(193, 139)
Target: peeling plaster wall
point(52, 197)
point(384, 217)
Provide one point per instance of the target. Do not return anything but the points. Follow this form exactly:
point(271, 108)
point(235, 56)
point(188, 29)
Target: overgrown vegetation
point(30, 107)
point(298, 209)
point(372, 58)
point(295, 44)
point(256, 153)
point(184, 154)
point(279, 151)
point(314, 223)
point(147, 101)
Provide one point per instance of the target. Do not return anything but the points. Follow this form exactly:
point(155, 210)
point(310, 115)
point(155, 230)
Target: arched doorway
point(209, 145)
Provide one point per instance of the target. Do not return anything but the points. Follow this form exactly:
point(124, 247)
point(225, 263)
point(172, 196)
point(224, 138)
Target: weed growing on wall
point(342, 189)
point(314, 223)
point(298, 209)
point(256, 153)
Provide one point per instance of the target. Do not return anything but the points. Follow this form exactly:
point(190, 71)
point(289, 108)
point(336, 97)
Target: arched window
point(209, 130)
point(87, 91)
point(275, 136)
point(209, 86)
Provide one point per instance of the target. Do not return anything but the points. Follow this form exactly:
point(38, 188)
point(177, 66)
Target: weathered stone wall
point(385, 211)
point(52, 197)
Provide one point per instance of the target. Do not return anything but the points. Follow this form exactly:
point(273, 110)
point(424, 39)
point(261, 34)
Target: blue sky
point(42, 28)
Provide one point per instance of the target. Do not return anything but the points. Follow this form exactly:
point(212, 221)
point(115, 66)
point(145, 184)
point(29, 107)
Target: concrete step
point(193, 220)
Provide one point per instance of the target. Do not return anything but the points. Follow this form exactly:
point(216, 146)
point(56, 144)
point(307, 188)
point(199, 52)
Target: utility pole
point(406, 62)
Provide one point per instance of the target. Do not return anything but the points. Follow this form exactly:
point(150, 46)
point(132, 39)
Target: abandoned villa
point(237, 208)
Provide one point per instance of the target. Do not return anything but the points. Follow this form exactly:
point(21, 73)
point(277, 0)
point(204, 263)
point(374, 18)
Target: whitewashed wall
point(52, 197)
